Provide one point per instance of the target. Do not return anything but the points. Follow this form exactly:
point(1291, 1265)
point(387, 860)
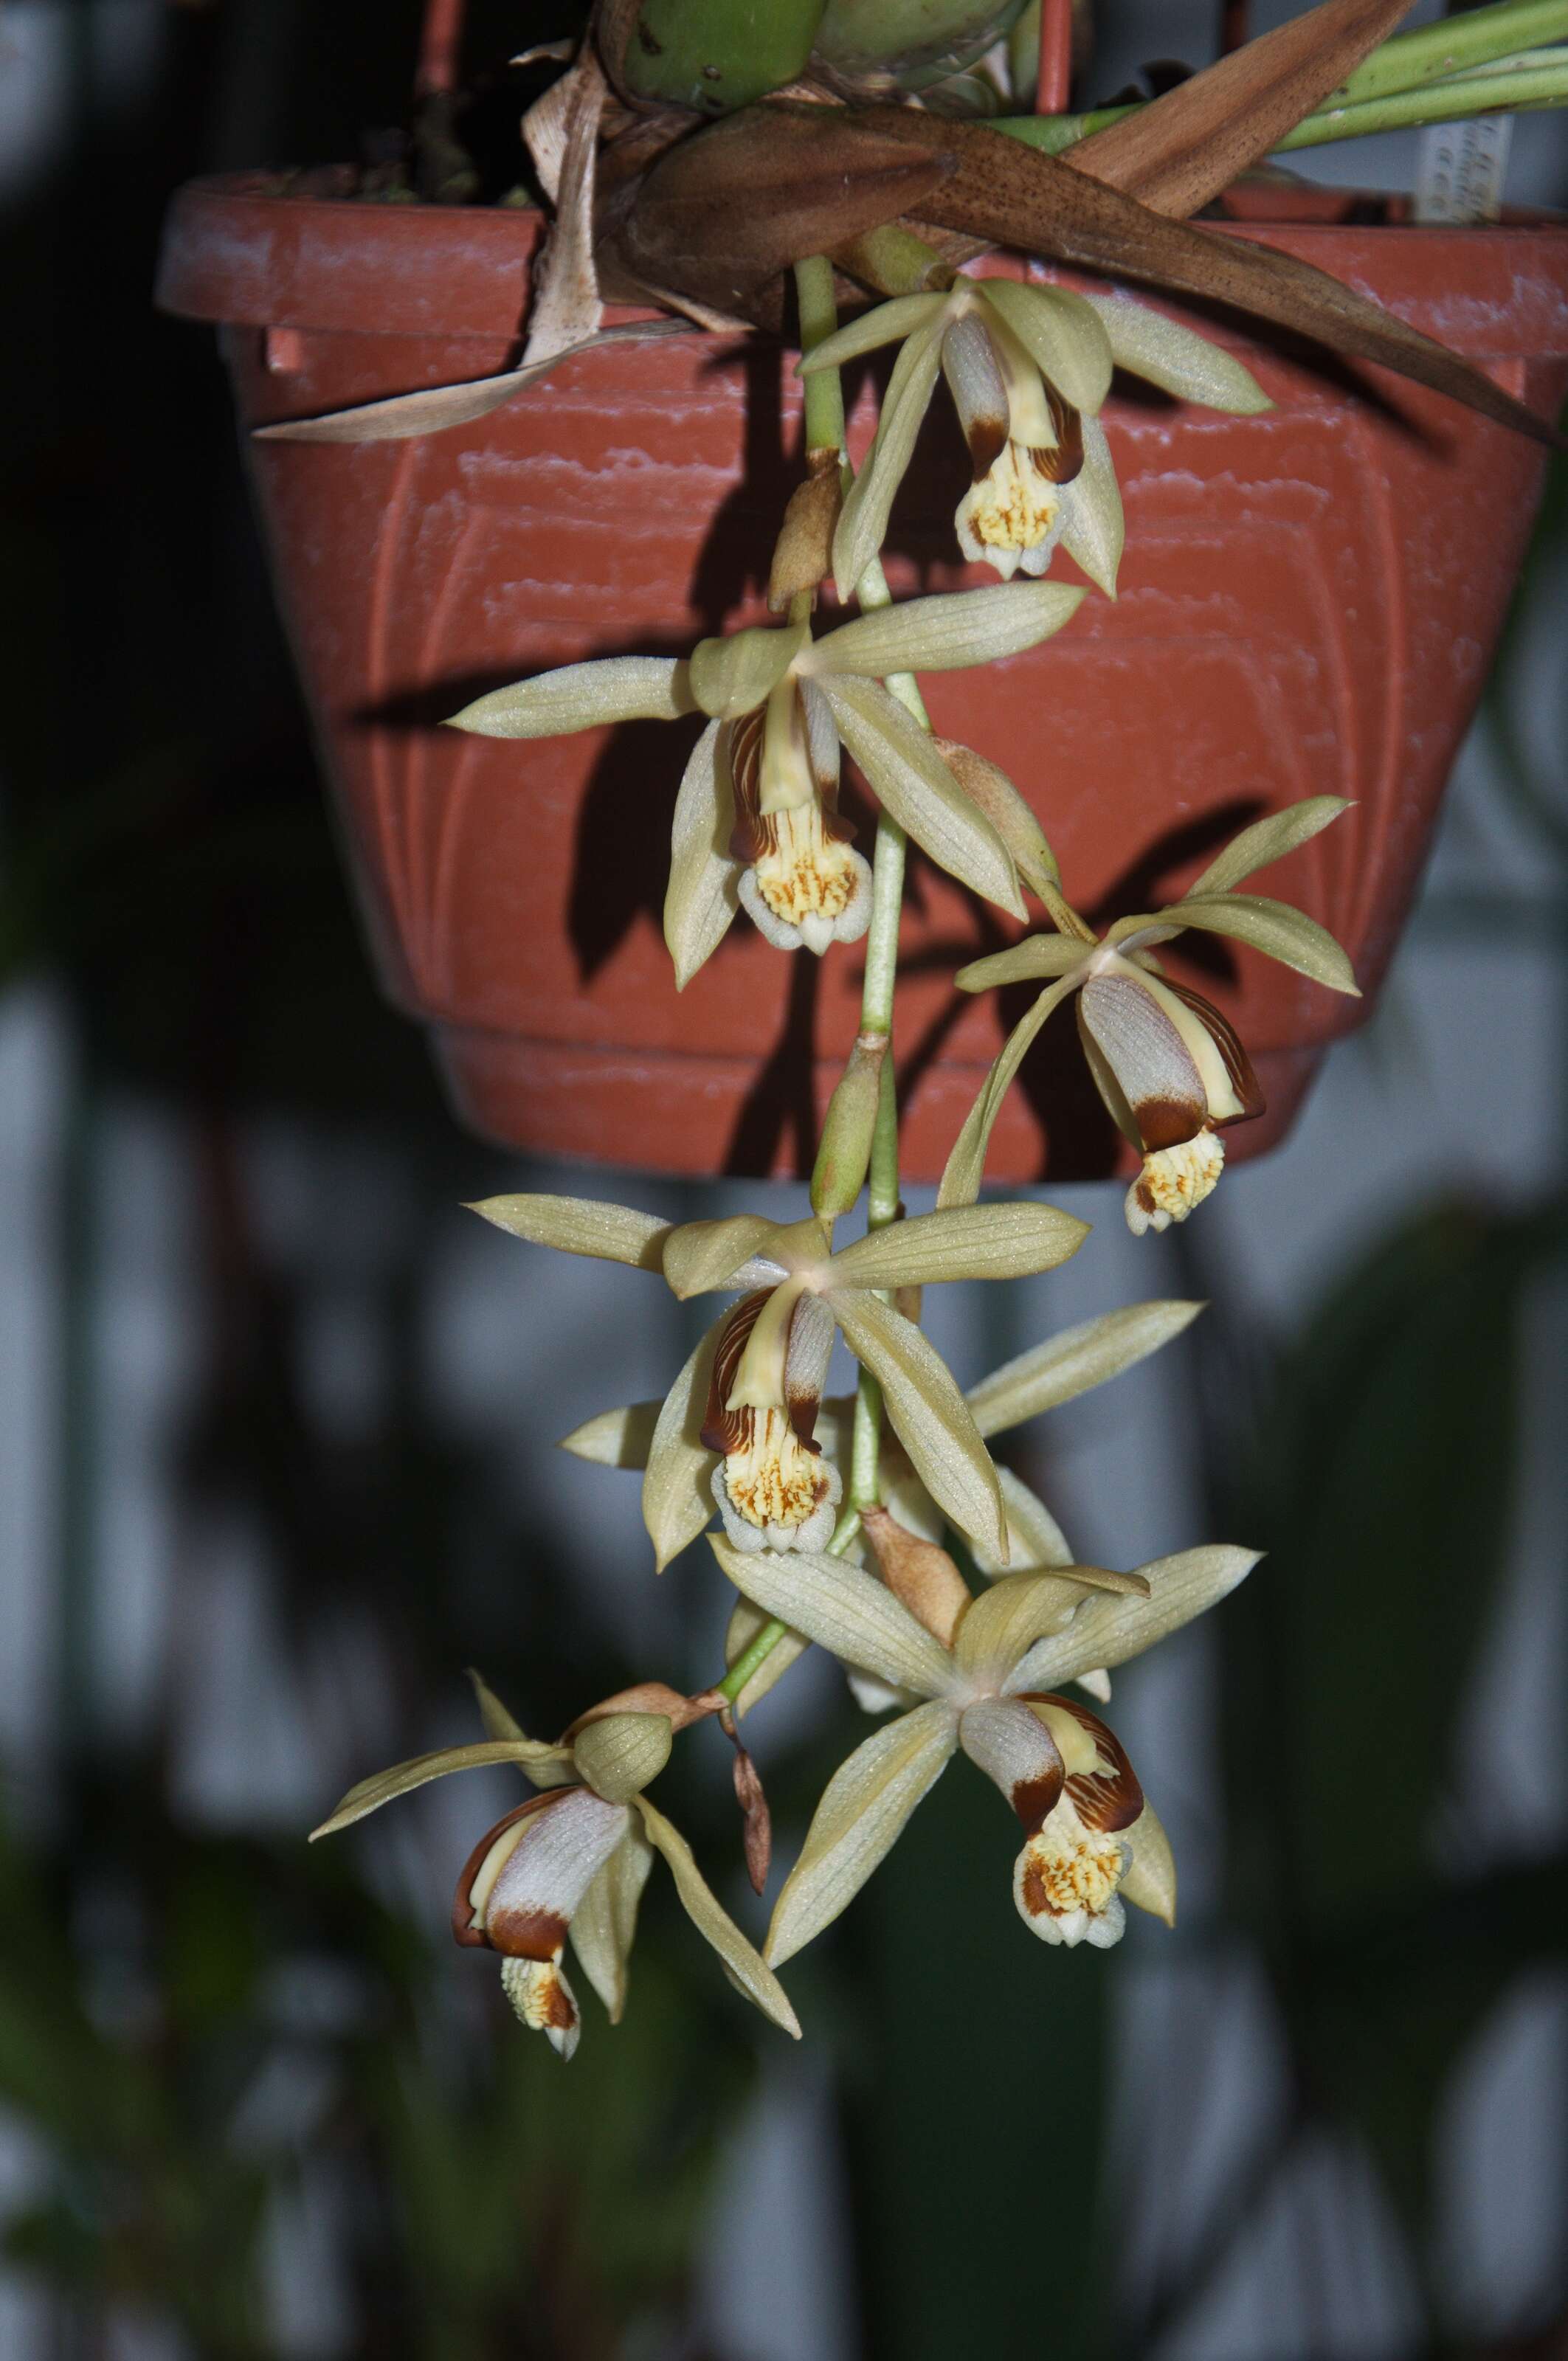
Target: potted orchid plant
point(723, 180)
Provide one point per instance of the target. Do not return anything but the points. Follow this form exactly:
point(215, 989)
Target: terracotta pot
point(1309, 603)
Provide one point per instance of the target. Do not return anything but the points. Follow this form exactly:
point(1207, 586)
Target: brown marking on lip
point(463, 1930)
point(741, 745)
point(1237, 1064)
point(558, 2009)
point(1167, 1123)
point(1033, 1799)
point(1036, 1902)
point(987, 439)
point(725, 1430)
point(526, 1934)
point(1108, 1800)
point(1061, 464)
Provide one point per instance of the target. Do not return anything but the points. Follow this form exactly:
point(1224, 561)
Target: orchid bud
point(621, 1754)
point(849, 1129)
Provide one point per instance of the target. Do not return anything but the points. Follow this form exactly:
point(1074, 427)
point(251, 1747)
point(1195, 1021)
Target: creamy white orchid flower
point(1167, 1065)
point(748, 1396)
point(1047, 1375)
point(756, 822)
point(573, 1860)
point(988, 1687)
point(1028, 366)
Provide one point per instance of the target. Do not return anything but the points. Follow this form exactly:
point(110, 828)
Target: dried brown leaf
point(1182, 150)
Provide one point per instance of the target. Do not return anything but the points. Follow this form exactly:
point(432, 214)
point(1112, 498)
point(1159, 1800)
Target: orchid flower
point(1029, 366)
point(756, 822)
point(736, 1428)
point(1051, 1373)
point(1167, 1065)
point(575, 1858)
point(986, 1669)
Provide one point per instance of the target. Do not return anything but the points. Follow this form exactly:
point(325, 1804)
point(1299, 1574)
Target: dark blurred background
point(275, 1465)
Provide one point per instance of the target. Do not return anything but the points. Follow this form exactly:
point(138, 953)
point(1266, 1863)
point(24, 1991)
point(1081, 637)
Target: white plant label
point(1460, 171)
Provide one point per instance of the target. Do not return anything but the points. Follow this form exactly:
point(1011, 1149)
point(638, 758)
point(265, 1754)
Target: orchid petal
point(966, 1165)
point(582, 696)
point(703, 894)
point(1024, 962)
point(678, 1497)
point(1007, 1620)
point(863, 524)
point(1015, 1749)
point(605, 1921)
point(370, 1794)
point(916, 790)
point(1150, 1883)
point(929, 1415)
point(1273, 928)
point(1016, 1240)
point(736, 673)
point(746, 1970)
point(992, 792)
point(1267, 839)
point(1092, 526)
point(1062, 333)
point(1035, 1539)
point(1176, 358)
point(520, 1898)
point(863, 1811)
point(582, 1226)
point(700, 1257)
point(843, 1608)
point(888, 324)
point(616, 1438)
point(946, 632)
point(1108, 1632)
point(1069, 1363)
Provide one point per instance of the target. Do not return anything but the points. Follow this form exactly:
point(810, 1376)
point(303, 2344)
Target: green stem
point(772, 1633)
point(1522, 82)
point(819, 318)
point(1431, 53)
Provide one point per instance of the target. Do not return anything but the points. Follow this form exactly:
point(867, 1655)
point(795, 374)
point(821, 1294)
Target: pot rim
point(242, 251)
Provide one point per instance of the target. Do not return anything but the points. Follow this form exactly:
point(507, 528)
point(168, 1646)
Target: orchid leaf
point(435, 408)
point(1003, 190)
